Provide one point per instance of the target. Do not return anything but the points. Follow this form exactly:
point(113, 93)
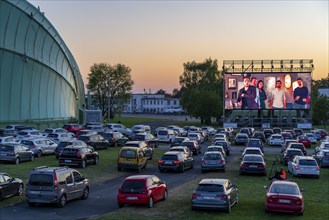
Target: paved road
point(102, 197)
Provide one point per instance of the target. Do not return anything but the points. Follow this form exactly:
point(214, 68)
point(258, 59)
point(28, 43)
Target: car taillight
point(261, 165)
point(55, 180)
point(78, 154)
point(317, 168)
point(222, 196)
point(195, 195)
point(221, 161)
point(112, 138)
point(243, 165)
point(299, 202)
point(297, 168)
point(269, 199)
point(176, 162)
point(160, 162)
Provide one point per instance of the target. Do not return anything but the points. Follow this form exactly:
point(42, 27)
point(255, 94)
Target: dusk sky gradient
point(155, 38)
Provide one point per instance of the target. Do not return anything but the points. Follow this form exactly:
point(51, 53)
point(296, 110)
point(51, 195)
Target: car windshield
point(252, 158)
point(133, 186)
point(6, 148)
point(212, 157)
point(187, 144)
point(83, 138)
point(254, 143)
point(252, 152)
point(162, 132)
point(214, 149)
point(52, 135)
point(293, 152)
point(64, 144)
point(284, 189)
point(128, 154)
point(210, 188)
point(139, 137)
point(308, 162)
point(169, 157)
point(29, 143)
point(41, 180)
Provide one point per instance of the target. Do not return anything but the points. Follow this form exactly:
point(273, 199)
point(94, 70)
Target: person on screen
point(247, 95)
point(262, 97)
point(254, 84)
point(301, 95)
point(278, 97)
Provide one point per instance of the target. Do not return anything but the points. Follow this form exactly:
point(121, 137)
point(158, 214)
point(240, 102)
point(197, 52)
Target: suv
point(95, 140)
point(55, 185)
point(40, 146)
point(174, 160)
point(63, 144)
point(114, 138)
point(131, 158)
point(15, 153)
point(194, 147)
point(78, 156)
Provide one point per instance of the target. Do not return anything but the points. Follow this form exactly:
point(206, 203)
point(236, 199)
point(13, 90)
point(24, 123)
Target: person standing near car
point(278, 97)
point(301, 95)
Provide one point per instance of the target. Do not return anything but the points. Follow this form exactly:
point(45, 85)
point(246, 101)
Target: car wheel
point(62, 201)
point(39, 153)
point(31, 204)
point(20, 190)
point(83, 164)
point(302, 213)
point(165, 195)
point(32, 158)
point(96, 161)
point(17, 160)
point(85, 194)
point(228, 209)
point(181, 168)
point(121, 205)
point(150, 203)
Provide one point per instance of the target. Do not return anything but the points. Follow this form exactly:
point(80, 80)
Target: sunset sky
point(155, 38)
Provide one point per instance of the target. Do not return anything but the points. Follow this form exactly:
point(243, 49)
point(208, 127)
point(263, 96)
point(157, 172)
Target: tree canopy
point(202, 89)
point(104, 78)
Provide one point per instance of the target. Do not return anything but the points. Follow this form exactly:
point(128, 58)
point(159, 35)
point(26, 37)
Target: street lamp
point(109, 102)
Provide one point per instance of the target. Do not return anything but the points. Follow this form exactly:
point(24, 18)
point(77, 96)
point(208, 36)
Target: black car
point(259, 135)
point(193, 146)
point(287, 135)
point(114, 138)
point(178, 140)
point(225, 145)
point(241, 138)
point(298, 131)
point(63, 144)
point(268, 133)
point(78, 156)
point(15, 153)
point(253, 164)
point(95, 140)
point(174, 160)
point(149, 139)
point(289, 155)
point(10, 186)
point(254, 142)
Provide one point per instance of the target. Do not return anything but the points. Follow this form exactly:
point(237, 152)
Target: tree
point(176, 93)
point(202, 89)
point(320, 104)
point(104, 77)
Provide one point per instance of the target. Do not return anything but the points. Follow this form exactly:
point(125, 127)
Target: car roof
point(172, 153)
point(254, 139)
point(213, 181)
point(305, 158)
point(252, 148)
point(138, 177)
point(49, 169)
point(284, 182)
point(212, 152)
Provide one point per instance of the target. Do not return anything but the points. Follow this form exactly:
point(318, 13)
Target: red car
point(142, 189)
point(284, 196)
point(74, 128)
point(304, 140)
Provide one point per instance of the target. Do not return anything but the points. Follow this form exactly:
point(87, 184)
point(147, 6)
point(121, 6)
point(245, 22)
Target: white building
point(151, 103)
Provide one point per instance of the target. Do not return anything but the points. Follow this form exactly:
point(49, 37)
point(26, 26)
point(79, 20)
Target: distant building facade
point(151, 103)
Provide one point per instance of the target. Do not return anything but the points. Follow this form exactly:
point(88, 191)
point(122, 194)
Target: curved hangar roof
point(39, 78)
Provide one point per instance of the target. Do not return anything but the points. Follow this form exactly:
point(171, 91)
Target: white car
point(252, 150)
point(29, 134)
point(8, 139)
point(40, 146)
point(304, 166)
point(58, 137)
point(276, 139)
point(311, 137)
point(55, 130)
point(166, 135)
point(323, 145)
point(118, 127)
point(195, 137)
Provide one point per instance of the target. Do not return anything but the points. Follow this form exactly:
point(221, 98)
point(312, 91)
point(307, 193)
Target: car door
point(9, 185)
point(70, 187)
point(25, 153)
point(231, 191)
point(78, 184)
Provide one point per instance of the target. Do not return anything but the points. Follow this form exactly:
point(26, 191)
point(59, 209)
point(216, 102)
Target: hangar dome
point(40, 82)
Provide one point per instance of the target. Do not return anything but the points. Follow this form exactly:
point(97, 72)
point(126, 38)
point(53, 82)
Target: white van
point(166, 135)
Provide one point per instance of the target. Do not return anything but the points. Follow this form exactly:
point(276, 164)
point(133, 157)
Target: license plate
point(284, 201)
point(132, 198)
point(208, 197)
point(68, 161)
point(168, 162)
point(35, 192)
point(252, 166)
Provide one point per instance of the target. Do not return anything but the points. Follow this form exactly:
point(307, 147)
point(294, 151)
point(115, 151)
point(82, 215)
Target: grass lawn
point(251, 199)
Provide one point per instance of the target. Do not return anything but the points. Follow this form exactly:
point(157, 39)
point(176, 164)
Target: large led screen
point(268, 91)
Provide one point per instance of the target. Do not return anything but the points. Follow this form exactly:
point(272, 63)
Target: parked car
point(219, 135)
point(10, 186)
point(74, 128)
point(304, 140)
point(132, 158)
point(246, 131)
point(166, 135)
point(97, 128)
point(173, 160)
point(322, 157)
point(254, 164)
point(225, 145)
point(268, 132)
point(286, 135)
point(259, 135)
point(304, 166)
point(213, 160)
point(218, 194)
point(254, 142)
point(209, 130)
point(18, 127)
point(7, 139)
point(137, 129)
point(217, 149)
point(149, 139)
point(85, 132)
point(183, 149)
point(55, 130)
point(286, 143)
point(311, 137)
point(323, 145)
point(299, 146)
point(58, 137)
point(323, 133)
point(9, 132)
point(40, 146)
point(29, 133)
point(195, 137)
point(117, 128)
point(276, 139)
point(277, 130)
point(178, 140)
point(193, 146)
point(298, 131)
point(241, 138)
point(180, 131)
point(142, 189)
point(252, 150)
point(148, 151)
point(63, 144)
point(292, 133)
point(95, 140)
point(78, 156)
point(55, 185)
point(114, 138)
point(290, 154)
point(16, 153)
point(284, 196)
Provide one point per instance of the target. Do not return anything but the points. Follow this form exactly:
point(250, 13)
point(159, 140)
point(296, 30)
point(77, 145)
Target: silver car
point(212, 160)
point(304, 166)
point(40, 146)
point(215, 194)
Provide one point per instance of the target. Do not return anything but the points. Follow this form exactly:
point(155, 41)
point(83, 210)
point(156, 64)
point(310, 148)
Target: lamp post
point(109, 102)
